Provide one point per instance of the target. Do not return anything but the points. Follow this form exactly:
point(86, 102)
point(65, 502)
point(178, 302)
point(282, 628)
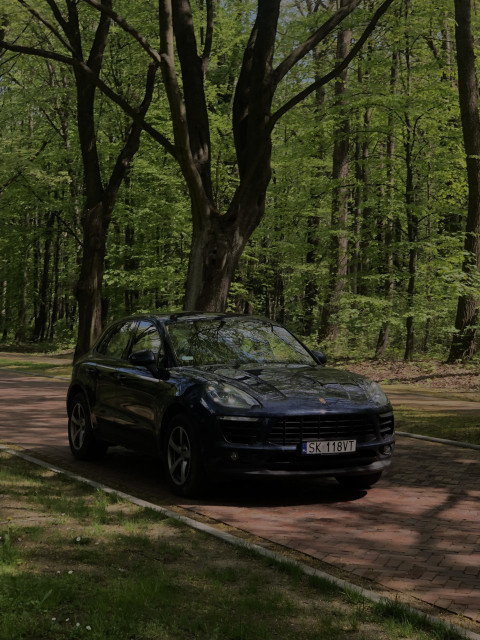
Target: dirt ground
point(431, 374)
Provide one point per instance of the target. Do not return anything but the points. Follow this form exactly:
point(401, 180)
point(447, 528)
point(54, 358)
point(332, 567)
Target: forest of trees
point(307, 160)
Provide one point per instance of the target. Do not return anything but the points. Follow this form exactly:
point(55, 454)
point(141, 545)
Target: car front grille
point(294, 429)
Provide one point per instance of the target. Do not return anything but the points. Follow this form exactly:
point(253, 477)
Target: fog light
point(387, 450)
point(234, 456)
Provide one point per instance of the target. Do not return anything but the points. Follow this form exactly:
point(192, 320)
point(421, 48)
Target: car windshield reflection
point(209, 342)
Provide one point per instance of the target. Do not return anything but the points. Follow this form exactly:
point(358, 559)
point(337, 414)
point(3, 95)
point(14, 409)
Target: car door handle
point(120, 377)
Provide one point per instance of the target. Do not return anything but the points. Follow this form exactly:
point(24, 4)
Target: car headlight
point(376, 394)
point(228, 396)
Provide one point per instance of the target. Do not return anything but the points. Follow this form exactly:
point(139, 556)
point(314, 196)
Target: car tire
point(360, 481)
point(184, 467)
point(83, 444)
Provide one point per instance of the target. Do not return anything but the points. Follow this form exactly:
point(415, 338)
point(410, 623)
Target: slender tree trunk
point(313, 231)
point(20, 331)
point(384, 333)
point(3, 306)
point(55, 293)
point(340, 203)
point(410, 197)
point(362, 210)
point(412, 225)
point(41, 320)
point(464, 343)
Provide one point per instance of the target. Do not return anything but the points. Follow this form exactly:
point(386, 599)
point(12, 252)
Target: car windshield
point(235, 342)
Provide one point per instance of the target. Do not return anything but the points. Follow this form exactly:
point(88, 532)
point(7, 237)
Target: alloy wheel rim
point(179, 455)
point(77, 426)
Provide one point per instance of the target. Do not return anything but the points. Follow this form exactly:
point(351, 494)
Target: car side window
point(117, 341)
point(147, 337)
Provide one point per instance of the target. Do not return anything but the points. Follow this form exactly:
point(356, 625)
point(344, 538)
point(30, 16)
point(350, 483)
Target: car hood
point(305, 384)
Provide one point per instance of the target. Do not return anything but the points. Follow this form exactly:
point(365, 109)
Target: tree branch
point(131, 146)
point(40, 53)
point(50, 27)
point(177, 110)
point(309, 44)
point(335, 72)
point(117, 18)
point(115, 97)
point(58, 16)
point(207, 49)
point(19, 173)
point(95, 57)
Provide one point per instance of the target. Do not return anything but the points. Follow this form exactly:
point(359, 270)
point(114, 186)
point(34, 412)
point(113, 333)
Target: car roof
point(184, 316)
point(195, 315)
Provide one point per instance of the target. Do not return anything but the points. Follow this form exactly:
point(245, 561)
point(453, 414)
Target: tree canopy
point(300, 160)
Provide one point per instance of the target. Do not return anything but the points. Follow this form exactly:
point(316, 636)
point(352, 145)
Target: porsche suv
point(215, 394)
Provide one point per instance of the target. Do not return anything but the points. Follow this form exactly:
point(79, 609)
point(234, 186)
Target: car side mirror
point(146, 358)
point(143, 358)
point(320, 357)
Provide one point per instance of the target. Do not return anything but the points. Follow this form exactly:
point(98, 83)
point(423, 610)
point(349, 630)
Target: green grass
point(77, 563)
point(462, 427)
point(47, 368)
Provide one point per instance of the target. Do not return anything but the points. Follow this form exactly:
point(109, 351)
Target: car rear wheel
point(360, 482)
point(83, 444)
point(184, 465)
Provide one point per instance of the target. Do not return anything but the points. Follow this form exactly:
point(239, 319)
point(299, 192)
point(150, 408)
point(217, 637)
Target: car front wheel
point(360, 482)
point(184, 465)
point(83, 443)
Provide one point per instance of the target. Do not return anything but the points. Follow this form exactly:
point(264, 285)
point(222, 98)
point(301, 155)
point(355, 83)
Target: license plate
point(323, 447)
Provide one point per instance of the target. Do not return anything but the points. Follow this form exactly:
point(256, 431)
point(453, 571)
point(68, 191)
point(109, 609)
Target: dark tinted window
point(147, 337)
point(235, 342)
point(116, 341)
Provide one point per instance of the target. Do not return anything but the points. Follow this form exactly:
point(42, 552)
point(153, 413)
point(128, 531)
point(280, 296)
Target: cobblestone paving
point(417, 532)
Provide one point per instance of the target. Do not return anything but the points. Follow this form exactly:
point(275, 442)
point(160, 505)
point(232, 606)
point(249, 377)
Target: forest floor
point(428, 374)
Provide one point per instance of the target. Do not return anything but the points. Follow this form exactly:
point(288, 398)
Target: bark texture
point(464, 343)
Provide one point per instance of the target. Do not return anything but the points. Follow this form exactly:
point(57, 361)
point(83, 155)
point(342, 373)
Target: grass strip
point(78, 563)
point(45, 368)
point(462, 427)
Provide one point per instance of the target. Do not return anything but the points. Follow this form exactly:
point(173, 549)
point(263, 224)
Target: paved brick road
point(417, 532)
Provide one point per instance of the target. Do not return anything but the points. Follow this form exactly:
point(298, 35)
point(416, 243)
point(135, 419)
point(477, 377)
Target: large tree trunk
point(100, 203)
point(217, 245)
point(88, 290)
point(464, 342)
point(219, 239)
point(212, 263)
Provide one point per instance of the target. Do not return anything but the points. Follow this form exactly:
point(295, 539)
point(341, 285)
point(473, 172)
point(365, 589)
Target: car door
point(109, 372)
point(144, 394)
